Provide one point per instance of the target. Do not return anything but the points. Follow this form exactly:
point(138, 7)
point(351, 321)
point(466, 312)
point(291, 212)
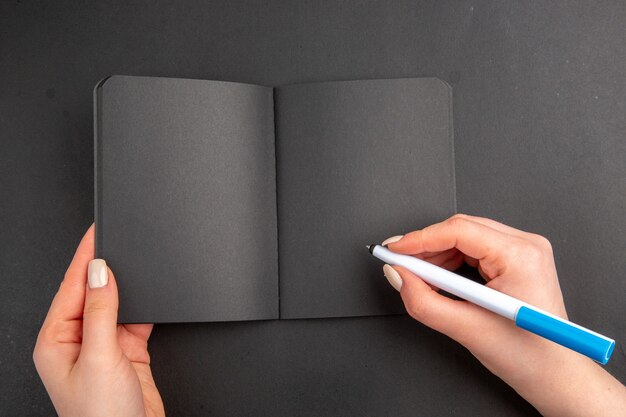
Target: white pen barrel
point(452, 283)
point(594, 345)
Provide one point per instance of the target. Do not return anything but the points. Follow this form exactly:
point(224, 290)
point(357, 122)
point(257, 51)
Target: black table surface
point(540, 122)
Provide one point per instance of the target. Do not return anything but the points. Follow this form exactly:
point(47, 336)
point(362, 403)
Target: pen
point(526, 316)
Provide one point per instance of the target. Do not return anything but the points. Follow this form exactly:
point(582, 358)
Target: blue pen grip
point(597, 347)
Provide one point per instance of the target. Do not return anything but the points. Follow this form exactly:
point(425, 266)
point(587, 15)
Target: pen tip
point(368, 247)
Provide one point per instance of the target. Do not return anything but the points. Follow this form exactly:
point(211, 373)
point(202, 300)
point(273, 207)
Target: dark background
point(540, 122)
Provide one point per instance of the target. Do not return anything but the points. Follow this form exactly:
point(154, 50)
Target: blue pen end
point(609, 352)
point(584, 341)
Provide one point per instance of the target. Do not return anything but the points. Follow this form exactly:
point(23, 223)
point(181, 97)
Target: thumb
point(100, 311)
point(459, 320)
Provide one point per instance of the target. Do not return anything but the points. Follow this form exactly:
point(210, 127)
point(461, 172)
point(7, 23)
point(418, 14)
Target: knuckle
point(543, 243)
point(418, 309)
point(37, 354)
point(494, 284)
point(520, 252)
point(41, 355)
point(94, 307)
point(518, 248)
point(457, 222)
point(416, 238)
point(69, 285)
point(413, 235)
point(67, 279)
point(459, 216)
point(47, 333)
point(533, 253)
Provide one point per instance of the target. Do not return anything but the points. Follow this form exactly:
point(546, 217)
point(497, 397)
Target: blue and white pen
point(533, 319)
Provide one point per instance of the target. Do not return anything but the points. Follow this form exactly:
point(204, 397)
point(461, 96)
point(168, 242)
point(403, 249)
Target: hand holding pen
point(556, 380)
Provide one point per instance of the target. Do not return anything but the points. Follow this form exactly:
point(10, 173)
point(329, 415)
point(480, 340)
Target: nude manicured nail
point(392, 239)
point(97, 273)
point(393, 277)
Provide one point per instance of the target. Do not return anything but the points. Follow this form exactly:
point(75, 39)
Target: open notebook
point(219, 201)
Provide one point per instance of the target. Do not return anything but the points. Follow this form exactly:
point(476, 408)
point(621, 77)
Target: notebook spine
point(97, 166)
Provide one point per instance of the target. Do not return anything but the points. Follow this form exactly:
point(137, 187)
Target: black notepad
point(219, 201)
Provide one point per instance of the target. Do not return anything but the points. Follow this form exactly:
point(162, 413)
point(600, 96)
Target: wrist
point(558, 381)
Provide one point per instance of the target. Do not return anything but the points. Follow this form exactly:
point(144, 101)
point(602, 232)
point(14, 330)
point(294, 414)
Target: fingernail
point(393, 277)
point(97, 273)
point(392, 239)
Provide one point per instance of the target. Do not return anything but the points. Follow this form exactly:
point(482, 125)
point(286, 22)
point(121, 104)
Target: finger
point(453, 263)
point(142, 331)
point(501, 227)
point(100, 312)
point(438, 258)
point(476, 240)
point(456, 319)
point(483, 274)
point(76, 272)
point(427, 255)
point(450, 259)
point(423, 255)
point(442, 257)
point(534, 238)
point(68, 302)
point(57, 349)
point(133, 339)
point(473, 262)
